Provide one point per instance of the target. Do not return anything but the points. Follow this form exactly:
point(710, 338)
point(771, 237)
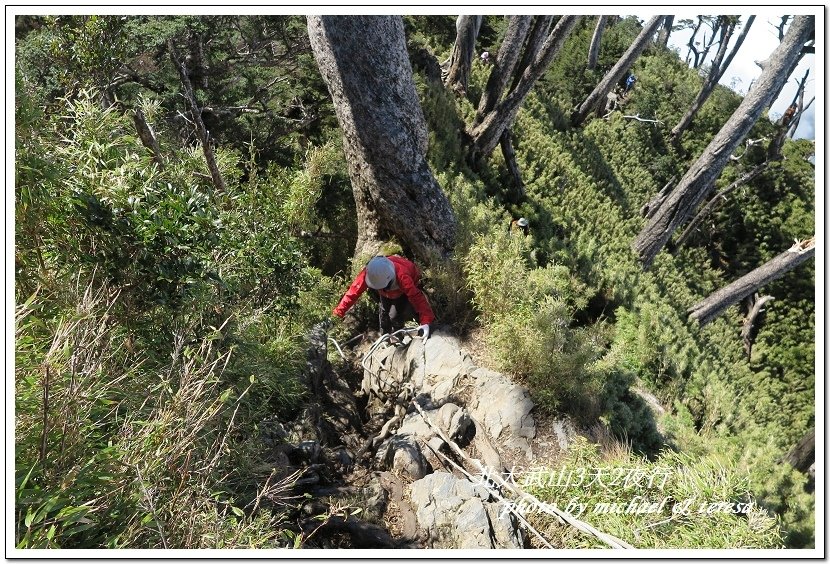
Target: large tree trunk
point(600, 92)
point(803, 455)
point(488, 132)
point(716, 72)
point(719, 198)
point(700, 178)
point(535, 41)
point(503, 68)
point(708, 309)
point(364, 62)
point(463, 52)
point(665, 32)
point(596, 39)
point(506, 143)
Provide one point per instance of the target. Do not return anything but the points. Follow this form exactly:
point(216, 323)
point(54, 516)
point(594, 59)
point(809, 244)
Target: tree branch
point(204, 136)
point(756, 307)
point(708, 309)
point(638, 118)
point(651, 207)
point(719, 198)
point(148, 138)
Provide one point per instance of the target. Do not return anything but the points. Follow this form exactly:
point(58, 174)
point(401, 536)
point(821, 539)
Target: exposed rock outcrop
point(470, 405)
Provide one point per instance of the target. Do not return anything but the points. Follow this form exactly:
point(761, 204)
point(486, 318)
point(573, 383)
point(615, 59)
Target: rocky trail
point(394, 454)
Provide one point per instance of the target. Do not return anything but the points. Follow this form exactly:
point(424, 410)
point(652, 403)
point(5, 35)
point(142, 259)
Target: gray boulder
point(455, 513)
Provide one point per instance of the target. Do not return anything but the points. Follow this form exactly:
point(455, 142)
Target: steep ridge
point(414, 444)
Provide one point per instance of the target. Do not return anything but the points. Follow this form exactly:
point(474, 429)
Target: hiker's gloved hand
point(424, 330)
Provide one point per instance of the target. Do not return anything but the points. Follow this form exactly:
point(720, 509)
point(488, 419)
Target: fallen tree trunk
point(708, 309)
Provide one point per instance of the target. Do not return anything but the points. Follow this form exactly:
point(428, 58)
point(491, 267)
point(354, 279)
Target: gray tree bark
point(600, 92)
point(596, 39)
point(716, 72)
point(463, 52)
point(802, 455)
point(797, 105)
point(707, 45)
point(700, 178)
point(505, 65)
point(749, 328)
point(693, 45)
point(536, 39)
point(708, 309)
point(506, 143)
point(488, 132)
point(665, 32)
point(719, 198)
point(364, 62)
point(147, 136)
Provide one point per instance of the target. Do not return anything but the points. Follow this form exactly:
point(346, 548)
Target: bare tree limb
point(781, 27)
point(638, 118)
point(650, 208)
point(719, 198)
point(506, 143)
point(148, 138)
point(719, 24)
point(756, 307)
point(691, 45)
point(593, 50)
point(204, 136)
point(797, 106)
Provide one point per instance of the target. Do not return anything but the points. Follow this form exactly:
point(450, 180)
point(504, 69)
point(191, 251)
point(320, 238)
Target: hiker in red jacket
point(396, 281)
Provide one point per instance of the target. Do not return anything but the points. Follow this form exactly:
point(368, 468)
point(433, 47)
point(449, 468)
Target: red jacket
point(407, 275)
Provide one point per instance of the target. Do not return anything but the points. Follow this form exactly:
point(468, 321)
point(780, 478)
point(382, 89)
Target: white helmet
point(379, 273)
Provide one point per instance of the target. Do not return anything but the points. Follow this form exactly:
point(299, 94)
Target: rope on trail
point(496, 478)
point(383, 385)
point(339, 350)
point(493, 481)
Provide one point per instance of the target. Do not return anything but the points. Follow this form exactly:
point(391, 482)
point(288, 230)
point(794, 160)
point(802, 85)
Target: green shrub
point(527, 314)
point(675, 502)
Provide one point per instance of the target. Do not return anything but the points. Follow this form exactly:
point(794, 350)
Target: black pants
point(393, 313)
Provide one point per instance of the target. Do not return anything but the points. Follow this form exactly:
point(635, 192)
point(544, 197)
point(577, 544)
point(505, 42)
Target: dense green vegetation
point(160, 323)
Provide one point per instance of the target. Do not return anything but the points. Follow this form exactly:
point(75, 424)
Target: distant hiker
point(485, 57)
point(629, 82)
point(396, 280)
point(520, 225)
point(788, 115)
